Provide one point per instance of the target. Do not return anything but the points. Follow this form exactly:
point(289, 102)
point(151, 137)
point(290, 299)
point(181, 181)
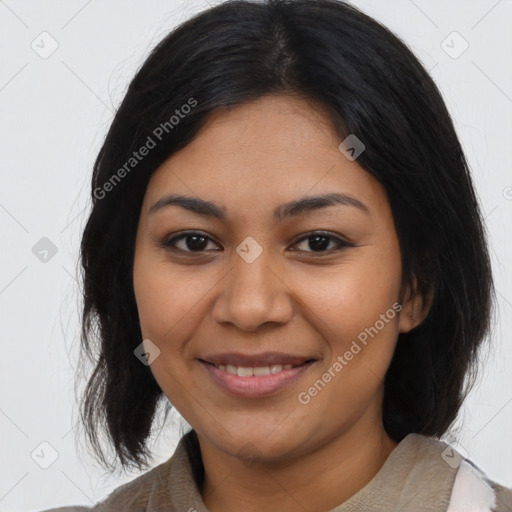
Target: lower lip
point(257, 385)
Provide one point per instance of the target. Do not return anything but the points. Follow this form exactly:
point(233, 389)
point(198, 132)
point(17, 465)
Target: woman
point(285, 244)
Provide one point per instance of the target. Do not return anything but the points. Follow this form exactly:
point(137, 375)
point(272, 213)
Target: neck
point(317, 481)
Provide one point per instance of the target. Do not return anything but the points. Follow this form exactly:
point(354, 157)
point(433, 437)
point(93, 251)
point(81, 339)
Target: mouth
point(251, 371)
point(255, 376)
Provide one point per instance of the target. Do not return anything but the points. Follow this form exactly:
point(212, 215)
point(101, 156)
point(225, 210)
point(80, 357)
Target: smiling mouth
point(259, 375)
point(255, 371)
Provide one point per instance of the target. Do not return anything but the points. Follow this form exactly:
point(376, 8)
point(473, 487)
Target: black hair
point(371, 85)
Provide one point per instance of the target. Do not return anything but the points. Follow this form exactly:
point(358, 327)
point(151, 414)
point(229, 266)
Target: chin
point(259, 445)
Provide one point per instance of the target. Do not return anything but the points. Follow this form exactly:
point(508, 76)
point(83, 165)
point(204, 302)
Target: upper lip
point(255, 360)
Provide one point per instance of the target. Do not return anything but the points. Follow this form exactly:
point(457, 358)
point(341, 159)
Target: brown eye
point(320, 242)
point(196, 242)
point(188, 242)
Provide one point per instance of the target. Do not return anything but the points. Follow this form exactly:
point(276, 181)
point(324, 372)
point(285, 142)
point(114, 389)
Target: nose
point(252, 295)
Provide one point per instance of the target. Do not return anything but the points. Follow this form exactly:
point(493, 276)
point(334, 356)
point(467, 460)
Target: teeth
point(248, 371)
point(261, 370)
point(244, 371)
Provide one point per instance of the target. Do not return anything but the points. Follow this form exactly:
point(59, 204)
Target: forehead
point(261, 154)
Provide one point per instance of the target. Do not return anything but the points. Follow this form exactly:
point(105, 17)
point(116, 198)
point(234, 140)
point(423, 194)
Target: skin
point(274, 453)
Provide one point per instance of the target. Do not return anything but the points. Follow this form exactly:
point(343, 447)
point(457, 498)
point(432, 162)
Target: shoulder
point(455, 481)
point(500, 497)
point(132, 496)
point(503, 497)
point(135, 495)
point(68, 509)
point(474, 490)
point(168, 486)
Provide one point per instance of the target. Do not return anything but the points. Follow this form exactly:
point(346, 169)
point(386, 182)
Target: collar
point(416, 476)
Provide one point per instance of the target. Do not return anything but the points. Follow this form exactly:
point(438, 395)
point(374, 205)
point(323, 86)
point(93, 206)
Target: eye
point(197, 242)
point(192, 241)
point(319, 241)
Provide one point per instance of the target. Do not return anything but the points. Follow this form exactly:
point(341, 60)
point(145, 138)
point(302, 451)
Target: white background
point(54, 115)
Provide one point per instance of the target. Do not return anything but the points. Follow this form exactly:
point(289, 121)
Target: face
point(275, 325)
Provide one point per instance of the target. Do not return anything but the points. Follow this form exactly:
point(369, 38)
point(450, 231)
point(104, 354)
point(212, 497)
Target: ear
point(417, 304)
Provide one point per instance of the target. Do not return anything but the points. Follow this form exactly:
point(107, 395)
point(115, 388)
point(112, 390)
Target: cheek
point(172, 304)
point(154, 303)
point(356, 311)
point(165, 298)
point(353, 295)
point(166, 308)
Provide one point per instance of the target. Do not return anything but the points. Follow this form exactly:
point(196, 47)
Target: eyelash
point(168, 244)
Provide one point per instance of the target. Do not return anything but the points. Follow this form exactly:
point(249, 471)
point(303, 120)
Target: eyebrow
point(287, 210)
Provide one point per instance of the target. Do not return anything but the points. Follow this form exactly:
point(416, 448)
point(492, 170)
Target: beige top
point(415, 477)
